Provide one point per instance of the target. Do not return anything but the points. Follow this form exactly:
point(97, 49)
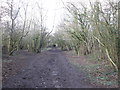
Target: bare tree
point(13, 14)
point(20, 45)
point(118, 43)
point(43, 33)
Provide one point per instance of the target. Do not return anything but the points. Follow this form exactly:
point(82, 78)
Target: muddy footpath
point(50, 69)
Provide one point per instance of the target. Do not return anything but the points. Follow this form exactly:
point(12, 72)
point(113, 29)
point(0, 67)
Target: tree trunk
point(118, 44)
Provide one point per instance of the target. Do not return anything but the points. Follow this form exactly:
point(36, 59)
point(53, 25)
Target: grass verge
point(100, 73)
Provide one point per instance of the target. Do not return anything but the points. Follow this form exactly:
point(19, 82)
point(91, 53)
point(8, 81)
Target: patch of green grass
point(98, 72)
point(101, 76)
point(93, 57)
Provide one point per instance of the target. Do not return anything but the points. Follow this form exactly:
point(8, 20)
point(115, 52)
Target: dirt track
point(50, 69)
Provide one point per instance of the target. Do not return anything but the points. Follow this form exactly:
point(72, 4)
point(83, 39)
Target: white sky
point(55, 9)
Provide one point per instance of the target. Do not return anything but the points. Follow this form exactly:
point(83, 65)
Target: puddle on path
point(54, 73)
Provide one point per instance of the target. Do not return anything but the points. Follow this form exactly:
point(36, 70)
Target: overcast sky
point(55, 10)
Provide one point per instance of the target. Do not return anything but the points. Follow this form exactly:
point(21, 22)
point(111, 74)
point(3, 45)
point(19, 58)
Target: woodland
point(93, 31)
